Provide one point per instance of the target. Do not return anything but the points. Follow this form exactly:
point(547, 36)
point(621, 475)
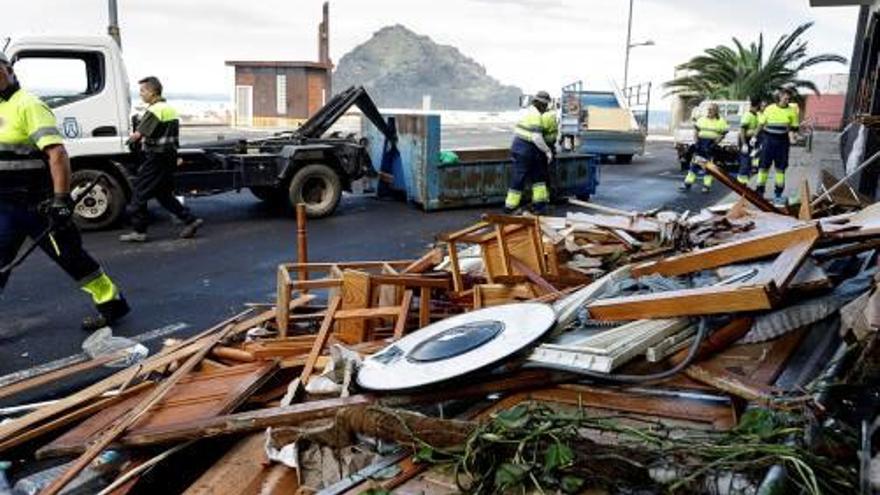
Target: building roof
point(282, 64)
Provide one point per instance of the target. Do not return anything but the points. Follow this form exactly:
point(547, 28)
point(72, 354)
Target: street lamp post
point(630, 45)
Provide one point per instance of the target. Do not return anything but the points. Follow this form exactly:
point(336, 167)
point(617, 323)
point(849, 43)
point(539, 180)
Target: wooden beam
point(751, 196)
point(499, 219)
point(320, 341)
point(402, 313)
point(687, 302)
point(424, 307)
point(729, 253)
point(366, 313)
point(411, 281)
point(431, 259)
point(806, 210)
point(457, 283)
point(454, 236)
point(323, 283)
point(601, 208)
point(786, 265)
point(58, 374)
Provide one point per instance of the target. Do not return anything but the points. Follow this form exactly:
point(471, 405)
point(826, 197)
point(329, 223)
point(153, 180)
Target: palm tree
point(738, 73)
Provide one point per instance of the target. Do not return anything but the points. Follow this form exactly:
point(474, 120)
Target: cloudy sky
point(534, 44)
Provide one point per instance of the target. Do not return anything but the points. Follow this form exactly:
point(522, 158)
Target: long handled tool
point(48, 232)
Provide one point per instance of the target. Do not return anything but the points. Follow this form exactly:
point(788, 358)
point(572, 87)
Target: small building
point(283, 93)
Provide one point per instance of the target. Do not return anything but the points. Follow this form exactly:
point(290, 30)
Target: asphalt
point(179, 287)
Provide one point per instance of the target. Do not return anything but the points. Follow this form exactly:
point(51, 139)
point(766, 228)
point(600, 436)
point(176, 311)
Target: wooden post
point(302, 248)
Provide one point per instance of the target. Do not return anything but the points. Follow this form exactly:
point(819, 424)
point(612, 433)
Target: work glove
point(549, 157)
point(59, 209)
point(744, 149)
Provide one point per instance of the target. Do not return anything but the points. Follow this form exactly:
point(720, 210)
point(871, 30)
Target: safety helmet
point(542, 96)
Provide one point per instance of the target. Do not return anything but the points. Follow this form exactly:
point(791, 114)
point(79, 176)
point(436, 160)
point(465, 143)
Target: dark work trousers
point(19, 220)
point(705, 148)
point(529, 164)
point(155, 180)
point(775, 152)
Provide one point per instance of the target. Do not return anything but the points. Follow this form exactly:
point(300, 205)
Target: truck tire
point(319, 187)
point(623, 159)
point(104, 205)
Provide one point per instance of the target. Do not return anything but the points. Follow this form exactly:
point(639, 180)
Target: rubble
point(682, 352)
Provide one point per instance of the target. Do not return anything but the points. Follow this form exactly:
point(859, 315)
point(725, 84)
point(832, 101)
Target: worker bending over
point(33, 166)
point(708, 132)
point(533, 149)
point(778, 125)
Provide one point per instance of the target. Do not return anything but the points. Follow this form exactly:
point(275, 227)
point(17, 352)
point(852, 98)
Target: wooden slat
point(454, 236)
point(743, 190)
point(402, 313)
point(806, 210)
point(58, 374)
point(320, 341)
point(411, 281)
point(430, 259)
point(786, 265)
point(367, 313)
point(725, 254)
point(687, 302)
point(424, 307)
point(282, 303)
point(457, 282)
point(357, 295)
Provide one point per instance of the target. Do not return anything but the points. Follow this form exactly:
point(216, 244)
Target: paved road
point(180, 287)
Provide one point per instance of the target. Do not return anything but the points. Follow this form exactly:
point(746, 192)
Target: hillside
point(398, 66)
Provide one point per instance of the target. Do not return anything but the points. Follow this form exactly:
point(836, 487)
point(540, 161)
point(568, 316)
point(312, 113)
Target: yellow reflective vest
point(27, 126)
point(160, 127)
point(535, 122)
point(749, 124)
point(708, 128)
point(779, 120)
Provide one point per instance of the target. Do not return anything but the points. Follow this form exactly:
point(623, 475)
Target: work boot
point(134, 237)
point(780, 200)
point(539, 208)
point(684, 187)
point(108, 314)
point(760, 190)
point(509, 211)
point(189, 231)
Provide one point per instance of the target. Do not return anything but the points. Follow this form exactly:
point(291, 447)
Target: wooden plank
point(239, 471)
point(320, 341)
point(636, 225)
point(367, 313)
point(502, 251)
point(71, 417)
point(786, 265)
point(806, 210)
point(687, 302)
point(629, 241)
point(601, 208)
point(411, 281)
point(323, 283)
point(521, 245)
point(345, 265)
point(424, 307)
point(718, 416)
point(533, 277)
point(135, 414)
point(454, 236)
point(199, 395)
point(403, 312)
point(751, 196)
point(726, 254)
point(282, 303)
point(427, 262)
point(457, 282)
point(357, 294)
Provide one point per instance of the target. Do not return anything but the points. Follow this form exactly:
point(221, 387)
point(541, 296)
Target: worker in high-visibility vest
point(533, 149)
point(778, 124)
point(748, 141)
point(708, 132)
point(35, 198)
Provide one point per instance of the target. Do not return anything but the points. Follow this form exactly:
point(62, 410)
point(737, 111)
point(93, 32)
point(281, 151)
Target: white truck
point(83, 79)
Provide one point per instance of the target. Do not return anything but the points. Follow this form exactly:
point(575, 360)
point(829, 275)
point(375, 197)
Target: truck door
point(86, 88)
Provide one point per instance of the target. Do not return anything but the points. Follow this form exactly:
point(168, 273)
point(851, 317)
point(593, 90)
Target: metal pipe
point(113, 25)
point(629, 25)
point(843, 181)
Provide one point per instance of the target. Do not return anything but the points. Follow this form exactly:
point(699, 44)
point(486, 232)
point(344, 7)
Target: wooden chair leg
point(400, 325)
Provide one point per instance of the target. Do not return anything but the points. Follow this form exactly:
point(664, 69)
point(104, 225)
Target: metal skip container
point(479, 177)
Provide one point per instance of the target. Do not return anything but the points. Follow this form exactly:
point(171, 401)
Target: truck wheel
point(623, 159)
point(268, 194)
point(104, 205)
point(319, 187)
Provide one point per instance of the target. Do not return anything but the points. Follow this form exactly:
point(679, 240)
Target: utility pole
point(113, 25)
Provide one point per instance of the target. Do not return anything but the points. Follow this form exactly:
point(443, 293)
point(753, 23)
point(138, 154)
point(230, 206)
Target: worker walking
point(709, 130)
point(34, 165)
point(533, 149)
point(158, 130)
point(748, 141)
point(778, 124)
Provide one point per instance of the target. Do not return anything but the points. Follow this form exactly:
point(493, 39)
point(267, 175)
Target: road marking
point(77, 358)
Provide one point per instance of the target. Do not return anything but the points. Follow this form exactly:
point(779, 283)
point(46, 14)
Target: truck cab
point(83, 79)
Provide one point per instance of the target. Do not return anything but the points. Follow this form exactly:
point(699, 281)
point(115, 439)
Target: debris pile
point(660, 351)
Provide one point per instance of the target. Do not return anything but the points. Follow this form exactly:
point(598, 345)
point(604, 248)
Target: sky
point(534, 44)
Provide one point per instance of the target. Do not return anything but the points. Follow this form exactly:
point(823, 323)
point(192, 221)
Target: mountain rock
point(398, 67)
